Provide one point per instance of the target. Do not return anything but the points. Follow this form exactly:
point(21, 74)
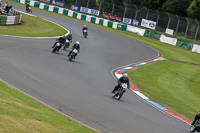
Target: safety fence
point(14, 19)
point(183, 27)
point(117, 25)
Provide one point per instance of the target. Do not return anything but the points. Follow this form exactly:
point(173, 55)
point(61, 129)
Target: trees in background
point(185, 8)
point(178, 7)
point(193, 10)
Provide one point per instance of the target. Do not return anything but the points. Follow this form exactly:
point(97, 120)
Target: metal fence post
point(124, 10)
point(100, 6)
point(157, 17)
point(177, 24)
point(147, 12)
point(169, 20)
point(136, 12)
point(196, 30)
point(113, 7)
point(88, 3)
point(187, 27)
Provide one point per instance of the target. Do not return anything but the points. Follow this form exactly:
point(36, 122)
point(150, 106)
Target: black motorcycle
point(72, 55)
point(66, 44)
point(195, 127)
point(85, 34)
point(29, 10)
point(122, 89)
point(57, 47)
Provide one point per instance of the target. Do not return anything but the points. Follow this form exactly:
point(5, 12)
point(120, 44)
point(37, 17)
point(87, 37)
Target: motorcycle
point(122, 89)
point(195, 127)
point(72, 55)
point(85, 33)
point(29, 10)
point(66, 44)
point(56, 48)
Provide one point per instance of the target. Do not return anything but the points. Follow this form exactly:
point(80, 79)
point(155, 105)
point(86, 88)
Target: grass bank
point(32, 27)
point(21, 114)
point(173, 85)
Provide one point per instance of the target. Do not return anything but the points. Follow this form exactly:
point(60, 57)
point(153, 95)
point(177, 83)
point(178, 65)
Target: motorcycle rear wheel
point(119, 96)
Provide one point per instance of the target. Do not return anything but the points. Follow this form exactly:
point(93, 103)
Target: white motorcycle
point(57, 47)
point(122, 89)
point(195, 127)
point(73, 53)
point(66, 44)
point(85, 34)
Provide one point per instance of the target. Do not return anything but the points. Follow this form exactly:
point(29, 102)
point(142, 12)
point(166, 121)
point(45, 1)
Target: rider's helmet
point(84, 26)
point(77, 42)
point(198, 112)
point(125, 76)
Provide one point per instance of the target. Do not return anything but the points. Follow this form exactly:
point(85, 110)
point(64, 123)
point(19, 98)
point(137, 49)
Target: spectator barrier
point(115, 25)
point(7, 20)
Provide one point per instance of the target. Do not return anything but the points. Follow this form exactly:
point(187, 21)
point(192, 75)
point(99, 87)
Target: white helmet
point(84, 26)
point(77, 42)
point(125, 75)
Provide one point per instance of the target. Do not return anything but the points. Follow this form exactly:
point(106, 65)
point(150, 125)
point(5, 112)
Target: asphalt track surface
point(82, 89)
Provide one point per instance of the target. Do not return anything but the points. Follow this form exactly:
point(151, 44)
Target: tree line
point(185, 8)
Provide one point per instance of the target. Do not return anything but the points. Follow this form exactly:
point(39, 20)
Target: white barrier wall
point(41, 6)
point(88, 18)
point(97, 20)
point(196, 48)
point(135, 30)
point(51, 8)
point(79, 16)
point(60, 10)
point(105, 22)
point(22, 1)
point(32, 3)
point(10, 20)
point(70, 13)
point(168, 40)
point(115, 25)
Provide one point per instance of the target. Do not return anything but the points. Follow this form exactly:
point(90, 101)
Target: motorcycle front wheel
point(192, 129)
point(119, 96)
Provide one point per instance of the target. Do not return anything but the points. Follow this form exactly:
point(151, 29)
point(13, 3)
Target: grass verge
point(33, 27)
point(173, 85)
point(21, 114)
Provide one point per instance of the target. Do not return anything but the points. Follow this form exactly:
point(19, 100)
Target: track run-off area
point(82, 89)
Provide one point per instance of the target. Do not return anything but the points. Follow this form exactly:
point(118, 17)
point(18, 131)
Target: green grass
point(21, 114)
point(33, 27)
point(173, 85)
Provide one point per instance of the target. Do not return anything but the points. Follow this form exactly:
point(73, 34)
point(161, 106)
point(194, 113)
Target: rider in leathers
point(197, 117)
point(123, 79)
point(69, 37)
point(84, 28)
point(27, 6)
point(75, 46)
point(60, 40)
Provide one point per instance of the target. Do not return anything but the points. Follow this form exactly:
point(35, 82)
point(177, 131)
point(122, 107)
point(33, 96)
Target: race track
point(82, 89)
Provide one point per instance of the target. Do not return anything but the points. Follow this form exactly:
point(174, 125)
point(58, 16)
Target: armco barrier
point(112, 24)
